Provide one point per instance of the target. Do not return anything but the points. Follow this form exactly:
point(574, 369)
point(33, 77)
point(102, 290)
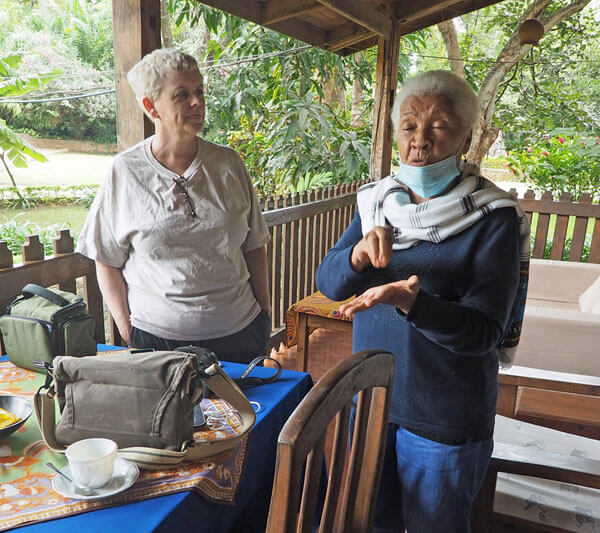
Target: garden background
point(300, 117)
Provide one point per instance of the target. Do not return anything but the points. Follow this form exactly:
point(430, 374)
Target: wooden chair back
point(352, 484)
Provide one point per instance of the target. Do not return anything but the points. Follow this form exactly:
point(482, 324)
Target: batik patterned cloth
point(26, 493)
point(315, 304)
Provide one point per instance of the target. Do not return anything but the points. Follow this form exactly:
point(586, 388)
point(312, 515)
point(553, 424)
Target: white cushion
point(549, 503)
point(589, 301)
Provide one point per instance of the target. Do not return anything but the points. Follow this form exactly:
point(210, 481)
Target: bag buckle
point(49, 368)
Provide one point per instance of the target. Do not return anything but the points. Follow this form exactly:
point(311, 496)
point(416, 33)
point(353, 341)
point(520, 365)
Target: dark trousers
point(240, 347)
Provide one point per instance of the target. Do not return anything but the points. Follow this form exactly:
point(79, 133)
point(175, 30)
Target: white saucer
point(124, 475)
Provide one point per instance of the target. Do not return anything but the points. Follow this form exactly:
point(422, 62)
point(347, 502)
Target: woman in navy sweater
point(437, 257)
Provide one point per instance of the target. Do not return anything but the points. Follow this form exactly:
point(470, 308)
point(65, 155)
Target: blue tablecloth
point(189, 511)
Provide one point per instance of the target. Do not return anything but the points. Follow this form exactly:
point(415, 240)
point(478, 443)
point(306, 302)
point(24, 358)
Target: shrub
point(562, 161)
point(47, 195)
point(14, 232)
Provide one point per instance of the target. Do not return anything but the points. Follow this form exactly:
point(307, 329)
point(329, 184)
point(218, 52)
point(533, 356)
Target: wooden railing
point(62, 269)
point(583, 215)
point(302, 226)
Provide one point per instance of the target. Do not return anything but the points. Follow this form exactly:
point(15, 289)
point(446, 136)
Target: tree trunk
point(165, 25)
point(334, 93)
point(356, 118)
point(448, 31)
point(484, 133)
point(358, 98)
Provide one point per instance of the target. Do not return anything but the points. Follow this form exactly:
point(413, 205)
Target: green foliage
point(563, 161)
point(74, 38)
point(277, 110)
point(557, 85)
point(585, 255)
point(305, 140)
point(309, 181)
point(47, 195)
point(15, 148)
point(495, 162)
point(15, 230)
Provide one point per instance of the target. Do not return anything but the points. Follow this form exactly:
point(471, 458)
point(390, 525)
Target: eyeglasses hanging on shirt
point(180, 186)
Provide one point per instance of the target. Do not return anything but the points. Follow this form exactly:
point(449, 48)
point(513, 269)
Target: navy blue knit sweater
point(445, 380)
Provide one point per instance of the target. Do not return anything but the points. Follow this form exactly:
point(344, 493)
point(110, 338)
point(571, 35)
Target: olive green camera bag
point(44, 323)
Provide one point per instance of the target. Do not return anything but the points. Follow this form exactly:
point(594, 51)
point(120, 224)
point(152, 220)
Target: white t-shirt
point(186, 277)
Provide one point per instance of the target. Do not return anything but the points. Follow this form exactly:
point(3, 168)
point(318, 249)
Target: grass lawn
point(71, 217)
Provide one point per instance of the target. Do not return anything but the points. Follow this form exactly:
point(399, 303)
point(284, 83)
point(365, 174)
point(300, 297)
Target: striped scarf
point(387, 203)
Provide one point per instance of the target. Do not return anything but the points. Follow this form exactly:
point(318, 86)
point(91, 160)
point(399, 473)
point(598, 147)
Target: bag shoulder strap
point(155, 458)
point(31, 289)
point(246, 381)
point(44, 407)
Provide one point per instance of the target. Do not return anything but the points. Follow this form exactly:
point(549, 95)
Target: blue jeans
point(429, 487)
point(239, 347)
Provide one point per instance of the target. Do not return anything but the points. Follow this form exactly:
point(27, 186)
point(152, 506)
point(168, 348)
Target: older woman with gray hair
point(176, 230)
point(437, 257)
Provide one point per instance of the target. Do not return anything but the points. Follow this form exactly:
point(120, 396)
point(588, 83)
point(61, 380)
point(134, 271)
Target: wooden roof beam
point(277, 10)
point(301, 30)
point(363, 13)
point(358, 46)
point(414, 16)
point(345, 36)
point(247, 10)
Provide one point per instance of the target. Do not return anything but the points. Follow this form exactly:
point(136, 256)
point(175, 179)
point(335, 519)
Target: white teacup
point(92, 461)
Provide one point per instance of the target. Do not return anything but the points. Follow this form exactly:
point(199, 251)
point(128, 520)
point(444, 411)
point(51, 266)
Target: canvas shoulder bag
point(144, 402)
point(44, 323)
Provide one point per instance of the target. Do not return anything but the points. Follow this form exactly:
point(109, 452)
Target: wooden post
point(6, 259)
point(33, 249)
point(385, 87)
point(136, 32)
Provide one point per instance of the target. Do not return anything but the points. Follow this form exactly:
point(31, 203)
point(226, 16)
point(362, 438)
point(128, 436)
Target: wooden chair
point(351, 491)
point(567, 404)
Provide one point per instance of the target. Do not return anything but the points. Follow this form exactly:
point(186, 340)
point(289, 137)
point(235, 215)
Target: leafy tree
point(298, 114)
point(74, 37)
point(516, 67)
point(12, 146)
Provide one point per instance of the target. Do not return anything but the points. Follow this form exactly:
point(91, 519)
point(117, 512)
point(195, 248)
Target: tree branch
point(448, 31)
point(512, 53)
point(12, 179)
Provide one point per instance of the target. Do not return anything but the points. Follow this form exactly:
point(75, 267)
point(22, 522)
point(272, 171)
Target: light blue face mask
point(431, 179)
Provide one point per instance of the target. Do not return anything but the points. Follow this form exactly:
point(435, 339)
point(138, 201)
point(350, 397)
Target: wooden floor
point(326, 348)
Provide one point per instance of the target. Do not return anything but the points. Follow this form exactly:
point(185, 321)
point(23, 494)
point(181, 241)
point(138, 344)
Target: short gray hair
point(147, 76)
point(442, 82)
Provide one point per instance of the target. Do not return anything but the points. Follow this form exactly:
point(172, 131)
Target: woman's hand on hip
point(375, 248)
point(401, 294)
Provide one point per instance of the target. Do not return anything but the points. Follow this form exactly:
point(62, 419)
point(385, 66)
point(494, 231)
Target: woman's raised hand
point(375, 249)
point(401, 294)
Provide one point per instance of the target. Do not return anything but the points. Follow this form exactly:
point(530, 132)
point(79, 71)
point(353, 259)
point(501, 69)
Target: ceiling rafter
point(346, 26)
point(302, 30)
point(363, 13)
point(248, 10)
point(430, 12)
point(345, 36)
point(409, 12)
point(277, 10)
